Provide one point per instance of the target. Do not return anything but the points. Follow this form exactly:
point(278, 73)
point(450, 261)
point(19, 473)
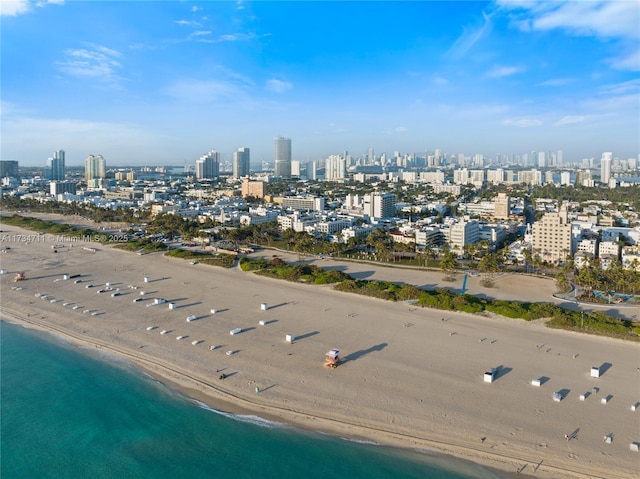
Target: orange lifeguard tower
point(332, 358)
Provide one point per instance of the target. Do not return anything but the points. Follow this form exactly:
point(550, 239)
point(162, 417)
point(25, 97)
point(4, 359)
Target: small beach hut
point(490, 376)
point(595, 372)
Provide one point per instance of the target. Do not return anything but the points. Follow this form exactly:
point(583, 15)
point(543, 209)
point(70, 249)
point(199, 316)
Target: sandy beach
point(410, 376)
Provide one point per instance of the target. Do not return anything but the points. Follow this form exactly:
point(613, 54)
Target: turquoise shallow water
point(72, 413)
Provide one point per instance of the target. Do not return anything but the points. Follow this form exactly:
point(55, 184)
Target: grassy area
point(50, 227)
point(142, 246)
point(277, 268)
point(222, 260)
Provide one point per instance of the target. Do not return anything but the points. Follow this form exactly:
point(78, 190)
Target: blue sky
point(164, 82)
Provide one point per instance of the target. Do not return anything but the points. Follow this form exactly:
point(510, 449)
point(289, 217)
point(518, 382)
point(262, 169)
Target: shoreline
point(192, 390)
point(377, 394)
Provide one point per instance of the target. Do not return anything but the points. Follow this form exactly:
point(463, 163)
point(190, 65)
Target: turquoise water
point(72, 413)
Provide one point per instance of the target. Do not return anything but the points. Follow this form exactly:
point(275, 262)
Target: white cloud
point(100, 63)
point(569, 119)
point(440, 81)
point(557, 82)
point(202, 91)
point(522, 122)
point(278, 86)
point(629, 61)
point(469, 37)
point(44, 3)
point(200, 33)
point(610, 19)
point(187, 23)
point(12, 8)
point(503, 71)
point(400, 129)
point(604, 19)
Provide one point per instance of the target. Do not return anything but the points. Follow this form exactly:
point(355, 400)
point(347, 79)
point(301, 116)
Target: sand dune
point(410, 376)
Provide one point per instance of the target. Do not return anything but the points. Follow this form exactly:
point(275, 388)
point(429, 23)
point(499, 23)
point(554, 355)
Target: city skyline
point(166, 82)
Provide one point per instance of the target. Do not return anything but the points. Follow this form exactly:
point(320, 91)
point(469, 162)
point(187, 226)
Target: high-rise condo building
point(502, 206)
point(241, 162)
point(380, 205)
point(55, 170)
point(208, 166)
point(542, 159)
point(95, 168)
point(282, 157)
point(8, 168)
point(551, 238)
point(605, 167)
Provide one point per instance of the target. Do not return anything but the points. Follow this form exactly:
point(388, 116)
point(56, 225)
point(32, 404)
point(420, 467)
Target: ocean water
point(72, 413)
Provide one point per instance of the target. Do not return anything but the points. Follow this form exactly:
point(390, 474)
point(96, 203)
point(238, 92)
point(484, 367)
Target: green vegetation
point(96, 213)
point(51, 227)
point(142, 246)
point(277, 268)
point(222, 260)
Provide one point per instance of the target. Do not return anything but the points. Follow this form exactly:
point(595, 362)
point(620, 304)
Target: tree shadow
point(363, 352)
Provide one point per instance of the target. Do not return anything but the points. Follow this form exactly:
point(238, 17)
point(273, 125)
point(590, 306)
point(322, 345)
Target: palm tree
point(448, 264)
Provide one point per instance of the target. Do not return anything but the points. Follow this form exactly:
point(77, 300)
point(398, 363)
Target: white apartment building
point(432, 176)
point(494, 234)
point(453, 190)
point(428, 235)
point(587, 246)
point(530, 177)
point(297, 222)
point(631, 258)
point(463, 233)
point(495, 177)
point(608, 248)
point(380, 205)
point(333, 226)
point(310, 203)
point(461, 176)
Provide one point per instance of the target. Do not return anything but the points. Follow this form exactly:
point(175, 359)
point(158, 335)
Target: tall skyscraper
point(55, 166)
point(551, 236)
point(8, 168)
point(542, 159)
point(94, 167)
point(282, 157)
point(241, 162)
point(208, 166)
point(605, 167)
